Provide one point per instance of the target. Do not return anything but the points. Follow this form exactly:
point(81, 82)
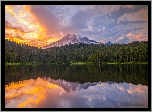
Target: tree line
point(90, 53)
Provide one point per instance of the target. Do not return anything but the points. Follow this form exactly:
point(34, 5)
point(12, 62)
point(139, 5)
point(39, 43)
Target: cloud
point(46, 24)
point(90, 28)
point(120, 39)
point(103, 40)
point(103, 28)
point(130, 32)
point(98, 29)
point(8, 26)
point(128, 6)
point(79, 20)
point(141, 15)
point(102, 21)
point(88, 7)
point(22, 14)
point(110, 8)
point(137, 36)
point(7, 33)
point(129, 26)
point(10, 9)
point(15, 38)
point(101, 10)
point(47, 19)
point(18, 34)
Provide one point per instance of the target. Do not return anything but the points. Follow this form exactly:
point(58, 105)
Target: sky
point(39, 25)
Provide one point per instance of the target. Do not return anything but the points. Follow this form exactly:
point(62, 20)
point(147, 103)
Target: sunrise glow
point(39, 25)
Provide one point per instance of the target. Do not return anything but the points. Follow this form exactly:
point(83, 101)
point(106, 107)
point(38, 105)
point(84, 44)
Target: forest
point(134, 52)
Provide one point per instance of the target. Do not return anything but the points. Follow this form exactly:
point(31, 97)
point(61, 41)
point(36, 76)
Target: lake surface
point(76, 86)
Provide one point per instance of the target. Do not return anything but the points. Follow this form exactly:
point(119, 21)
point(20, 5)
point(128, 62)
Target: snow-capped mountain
point(70, 39)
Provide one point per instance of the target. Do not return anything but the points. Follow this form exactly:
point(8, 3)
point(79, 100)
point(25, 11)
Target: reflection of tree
point(136, 74)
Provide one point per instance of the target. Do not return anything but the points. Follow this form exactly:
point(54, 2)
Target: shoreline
point(76, 63)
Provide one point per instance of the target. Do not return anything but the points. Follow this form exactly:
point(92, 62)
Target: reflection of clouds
point(89, 99)
point(40, 93)
point(125, 95)
point(28, 93)
point(137, 89)
point(104, 98)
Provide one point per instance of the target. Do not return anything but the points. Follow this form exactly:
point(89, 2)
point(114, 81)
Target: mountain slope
point(70, 39)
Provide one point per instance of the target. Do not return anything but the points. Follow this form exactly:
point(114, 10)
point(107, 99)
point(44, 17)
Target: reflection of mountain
point(39, 93)
point(71, 86)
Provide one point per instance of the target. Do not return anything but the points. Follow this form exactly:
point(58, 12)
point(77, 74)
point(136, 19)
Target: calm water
point(76, 86)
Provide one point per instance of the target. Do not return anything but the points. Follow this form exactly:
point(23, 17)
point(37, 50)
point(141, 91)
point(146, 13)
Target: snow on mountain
point(70, 39)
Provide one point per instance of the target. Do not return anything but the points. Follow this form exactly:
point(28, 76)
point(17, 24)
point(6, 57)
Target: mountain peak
point(70, 39)
point(109, 43)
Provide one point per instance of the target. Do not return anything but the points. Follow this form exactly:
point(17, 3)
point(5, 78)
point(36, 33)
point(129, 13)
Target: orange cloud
point(51, 40)
point(137, 37)
point(34, 91)
point(38, 27)
point(27, 8)
point(45, 19)
point(15, 30)
point(9, 27)
point(22, 14)
point(129, 34)
point(15, 39)
point(10, 9)
point(18, 35)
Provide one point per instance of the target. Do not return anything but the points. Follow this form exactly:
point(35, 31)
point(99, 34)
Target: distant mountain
point(70, 39)
point(109, 43)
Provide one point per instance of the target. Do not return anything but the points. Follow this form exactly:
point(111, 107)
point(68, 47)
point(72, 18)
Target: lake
point(76, 86)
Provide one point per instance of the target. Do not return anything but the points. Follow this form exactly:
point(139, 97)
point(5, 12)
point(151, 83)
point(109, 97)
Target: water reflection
point(48, 93)
point(135, 74)
point(28, 93)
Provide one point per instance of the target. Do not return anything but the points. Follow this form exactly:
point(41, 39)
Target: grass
point(111, 63)
point(128, 63)
point(25, 63)
point(10, 64)
point(71, 63)
point(77, 63)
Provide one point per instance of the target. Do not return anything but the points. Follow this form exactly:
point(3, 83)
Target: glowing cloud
point(35, 30)
point(10, 10)
point(39, 25)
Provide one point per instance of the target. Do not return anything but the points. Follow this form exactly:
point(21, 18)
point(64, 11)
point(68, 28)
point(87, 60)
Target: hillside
point(91, 53)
